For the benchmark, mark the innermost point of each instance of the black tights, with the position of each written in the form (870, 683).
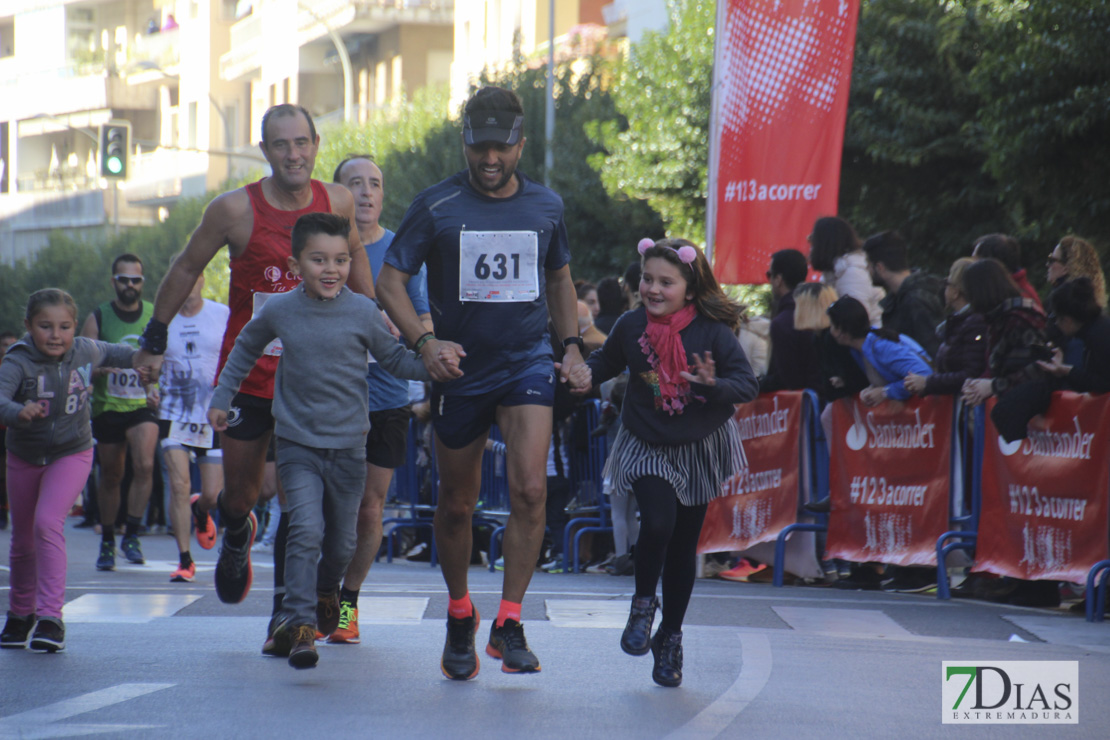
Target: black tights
(667, 544)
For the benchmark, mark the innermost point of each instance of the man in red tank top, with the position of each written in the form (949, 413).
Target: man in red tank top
(254, 222)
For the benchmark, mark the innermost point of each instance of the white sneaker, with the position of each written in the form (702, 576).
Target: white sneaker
(263, 547)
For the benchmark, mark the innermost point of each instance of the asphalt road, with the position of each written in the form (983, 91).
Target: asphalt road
(147, 658)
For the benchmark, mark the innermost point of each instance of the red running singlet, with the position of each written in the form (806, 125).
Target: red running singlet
(260, 271)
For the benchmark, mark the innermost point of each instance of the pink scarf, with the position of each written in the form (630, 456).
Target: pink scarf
(663, 347)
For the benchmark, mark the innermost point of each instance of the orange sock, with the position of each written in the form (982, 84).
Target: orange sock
(460, 608)
(508, 610)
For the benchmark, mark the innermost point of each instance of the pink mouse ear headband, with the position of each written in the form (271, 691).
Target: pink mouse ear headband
(686, 253)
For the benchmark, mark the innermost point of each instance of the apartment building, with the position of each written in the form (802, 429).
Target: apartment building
(193, 78)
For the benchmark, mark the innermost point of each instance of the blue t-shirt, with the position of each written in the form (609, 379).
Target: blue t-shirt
(386, 391)
(503, 340)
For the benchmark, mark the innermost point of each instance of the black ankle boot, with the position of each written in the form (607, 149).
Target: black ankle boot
(667, 650)
(636, 639)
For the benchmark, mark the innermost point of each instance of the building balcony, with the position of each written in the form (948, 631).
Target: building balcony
(347, 17)
(69, 89)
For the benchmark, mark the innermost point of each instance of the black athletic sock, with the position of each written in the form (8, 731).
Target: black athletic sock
(185, 559)
(132, 526)
(108, 534)
(236, 530)
(351, 596)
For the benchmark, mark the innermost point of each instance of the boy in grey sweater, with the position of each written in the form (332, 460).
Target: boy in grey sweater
(320, 415)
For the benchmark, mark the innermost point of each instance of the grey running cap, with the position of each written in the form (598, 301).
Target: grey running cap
(500, 126)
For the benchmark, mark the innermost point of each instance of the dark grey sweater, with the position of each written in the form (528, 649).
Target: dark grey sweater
(320, 392)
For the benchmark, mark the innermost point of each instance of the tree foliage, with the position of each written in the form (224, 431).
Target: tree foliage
(659, 150)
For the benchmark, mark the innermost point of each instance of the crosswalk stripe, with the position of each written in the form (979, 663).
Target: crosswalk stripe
(855, 622)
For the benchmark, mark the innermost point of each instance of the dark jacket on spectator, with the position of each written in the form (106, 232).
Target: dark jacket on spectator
(962, 353)
(834, 360)
(1015, 340)
(1093, 375)
(916, 309)
(793, 364)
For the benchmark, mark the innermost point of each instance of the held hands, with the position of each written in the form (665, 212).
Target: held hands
(976, 391)
(31, 411)
(148, 365)
(573, 370)
(915, 384)
(705, 370)
(441, 359)
(872, 396)
(218, 419)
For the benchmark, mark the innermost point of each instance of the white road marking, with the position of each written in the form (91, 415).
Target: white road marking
(587, 613)
(126, 608)
(38, 723)
(755, 671)
(854, 622)
(391, 610)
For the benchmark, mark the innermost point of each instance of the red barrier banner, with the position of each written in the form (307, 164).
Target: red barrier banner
(1044, 507)
(889, 480)
(758, 504)
(780, 97)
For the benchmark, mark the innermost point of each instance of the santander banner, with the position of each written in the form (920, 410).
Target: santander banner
(759, 504)
(1044, 506)
(889, 480)
(782, 72)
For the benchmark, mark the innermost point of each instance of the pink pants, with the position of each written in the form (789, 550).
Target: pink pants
(39, 497)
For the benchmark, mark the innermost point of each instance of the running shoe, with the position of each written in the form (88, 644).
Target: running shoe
(743, 570)
(303, 653)
(233, 568)
(507, 644)
(17, 631)
(279, 639)
(327, 613)
(131, 549)
(107, 559)
(460, 659)
(202, 522)
(184, 574)
(346, 633)
(49, 636)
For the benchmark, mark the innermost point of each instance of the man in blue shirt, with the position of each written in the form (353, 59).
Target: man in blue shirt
(390, 410)
(495, 246)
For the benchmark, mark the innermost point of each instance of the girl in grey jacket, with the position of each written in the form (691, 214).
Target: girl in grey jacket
(45, 381)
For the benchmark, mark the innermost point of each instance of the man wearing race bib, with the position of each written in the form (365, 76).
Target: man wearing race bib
(187, 384)
(495, 246)
(122, 418)
(255, 223)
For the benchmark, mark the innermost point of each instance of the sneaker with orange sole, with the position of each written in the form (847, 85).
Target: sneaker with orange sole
(347, 631)
(184, 574)
(742, 572)
(206, 528)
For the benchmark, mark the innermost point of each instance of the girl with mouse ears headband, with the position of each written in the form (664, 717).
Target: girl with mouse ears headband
(706, 293)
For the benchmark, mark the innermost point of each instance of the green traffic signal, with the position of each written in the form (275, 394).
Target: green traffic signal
(114, 144)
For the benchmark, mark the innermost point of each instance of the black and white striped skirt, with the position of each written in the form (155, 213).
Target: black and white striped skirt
(696, 470)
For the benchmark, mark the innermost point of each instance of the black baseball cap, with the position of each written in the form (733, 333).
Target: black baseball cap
(500, 126)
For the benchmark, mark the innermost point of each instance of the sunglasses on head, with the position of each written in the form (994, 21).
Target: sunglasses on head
(129, 279)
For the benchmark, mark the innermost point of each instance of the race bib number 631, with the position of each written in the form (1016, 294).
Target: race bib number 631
(498, 266)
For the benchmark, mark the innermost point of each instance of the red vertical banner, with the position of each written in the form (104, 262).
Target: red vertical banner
(1044, 506)
(889, 470)
(759, 503)
(781, 79)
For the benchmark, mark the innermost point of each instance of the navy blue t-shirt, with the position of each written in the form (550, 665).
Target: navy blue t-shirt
(503, 340)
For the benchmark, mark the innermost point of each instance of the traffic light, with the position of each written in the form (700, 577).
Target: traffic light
(115, 143)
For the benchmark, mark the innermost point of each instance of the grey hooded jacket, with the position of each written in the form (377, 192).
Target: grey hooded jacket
(62, 386)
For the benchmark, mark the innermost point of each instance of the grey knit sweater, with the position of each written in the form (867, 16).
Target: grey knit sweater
(320, 392)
